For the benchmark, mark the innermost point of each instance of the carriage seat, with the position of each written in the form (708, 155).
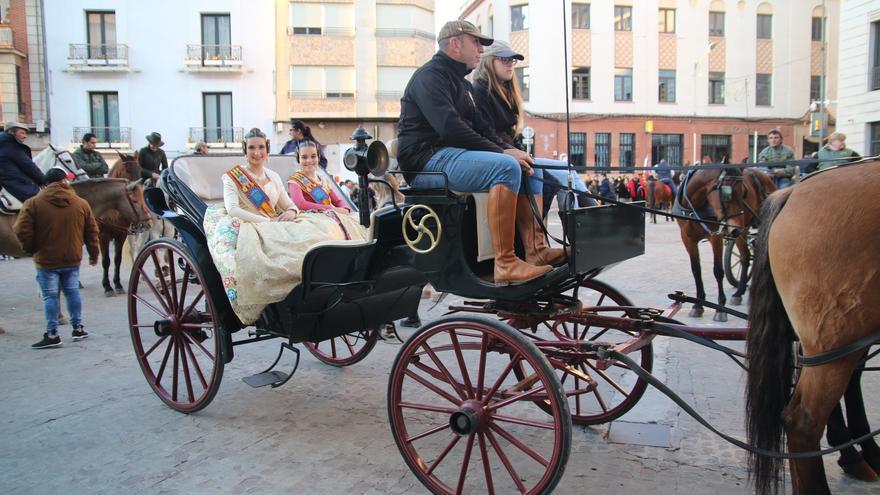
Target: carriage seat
(203, 174)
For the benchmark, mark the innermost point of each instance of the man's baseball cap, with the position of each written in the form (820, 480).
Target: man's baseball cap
(14, 125)
(457, 28)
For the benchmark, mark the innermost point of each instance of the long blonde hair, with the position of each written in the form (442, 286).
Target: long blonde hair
(508, 91)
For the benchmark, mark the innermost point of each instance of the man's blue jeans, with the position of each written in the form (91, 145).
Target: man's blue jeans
(68, 280)
(474, 171)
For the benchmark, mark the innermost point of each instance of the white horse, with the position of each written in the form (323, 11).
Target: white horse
(51, 157)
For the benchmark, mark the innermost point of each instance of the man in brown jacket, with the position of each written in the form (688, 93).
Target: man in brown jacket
(52, 227)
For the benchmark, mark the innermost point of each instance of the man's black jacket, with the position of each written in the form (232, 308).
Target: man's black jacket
(18, 173)
(438, 110)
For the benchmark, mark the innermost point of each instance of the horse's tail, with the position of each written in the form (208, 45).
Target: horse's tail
(770, 352)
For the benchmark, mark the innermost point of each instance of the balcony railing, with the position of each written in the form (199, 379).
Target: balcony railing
(5, 37)
(389, 95)
(320, 94)
(875, 78)
(213, 55)
(108, 137)
(403, 33)
(320, 31)
(98, 55)
(217, 136)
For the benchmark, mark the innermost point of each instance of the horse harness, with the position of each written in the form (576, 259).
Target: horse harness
(121, 228)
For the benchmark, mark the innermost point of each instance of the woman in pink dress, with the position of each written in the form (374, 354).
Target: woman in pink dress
(307, 189)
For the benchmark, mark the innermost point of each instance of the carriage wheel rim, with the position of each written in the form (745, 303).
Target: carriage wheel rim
(346, 349)
(481, 433)
(190, 370)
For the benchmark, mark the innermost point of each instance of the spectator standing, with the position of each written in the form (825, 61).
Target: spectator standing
(606, 190)
(152, 157)
(778, 152)
(19, 175)
(52, 227)
(201, 148)
(299, 132)
(90, 160)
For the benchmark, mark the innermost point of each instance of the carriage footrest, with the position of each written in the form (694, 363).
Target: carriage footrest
(274, 377)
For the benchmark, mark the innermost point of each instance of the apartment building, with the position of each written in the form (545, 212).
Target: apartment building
(674, 79)
(200, 70)
(345, 63)
(859, 76)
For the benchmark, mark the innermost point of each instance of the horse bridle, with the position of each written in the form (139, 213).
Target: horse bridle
(136, 227)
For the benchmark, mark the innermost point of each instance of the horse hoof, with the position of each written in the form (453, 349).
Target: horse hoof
(109, 293)
(861, 471)
(120, 290)
(736, 300)
(720, 316)
(696, 312)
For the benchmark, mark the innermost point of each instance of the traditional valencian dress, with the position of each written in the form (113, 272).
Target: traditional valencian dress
(260, 261)
(311, 194)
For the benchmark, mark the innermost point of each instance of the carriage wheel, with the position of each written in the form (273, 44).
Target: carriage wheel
(596, 394)
(176, 338)
(344, 350)
(733, 261)
(464, 423)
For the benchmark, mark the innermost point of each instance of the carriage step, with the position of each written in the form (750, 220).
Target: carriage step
(266, 378)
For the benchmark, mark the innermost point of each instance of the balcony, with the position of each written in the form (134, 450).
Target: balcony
(389, 95)
(345, 32)
(98, 58)
(320, 94)
(114, 138)
(216, 137)
(875, 78)
(403, 33)
(225, 58)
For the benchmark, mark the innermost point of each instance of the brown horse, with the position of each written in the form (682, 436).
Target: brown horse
(815, 278)
(730, 196)
(114, 227)
(659, 197)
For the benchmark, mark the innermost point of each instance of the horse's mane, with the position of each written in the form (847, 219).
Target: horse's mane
(126, 167)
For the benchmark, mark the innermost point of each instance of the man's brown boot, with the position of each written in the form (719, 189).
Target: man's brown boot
(502, 223)
(537, 251)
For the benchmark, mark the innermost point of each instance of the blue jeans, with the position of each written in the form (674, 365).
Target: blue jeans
(561, 180)
(474, 171)
(50, 280)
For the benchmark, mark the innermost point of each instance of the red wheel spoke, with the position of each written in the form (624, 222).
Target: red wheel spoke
(152, 287)
(333, 347)
(153, 308)
(155, 345)
(172, 273)
(484, 454)
(608, 379)
(445, 372)
(426, 407)
(198, 344)
(183, 288)
(196, 366)
(432, 387)
(186, 377)
(462, 367)
(523, 422)
(594, 337)
(481, 375)
(506, 462)
(516, 357)
(158, 268)
(164, 361)
(521, 446)
(427, 433)
(439, 459)
(174, 371)
(192, 304)
(348, 344)
(515, 398)
(465, 463)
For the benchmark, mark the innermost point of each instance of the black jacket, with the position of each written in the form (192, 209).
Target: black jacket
(438, 110)
(151, 161)
(500, 117)
(18, 173)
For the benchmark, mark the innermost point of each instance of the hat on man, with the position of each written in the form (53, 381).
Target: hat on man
(14, 125)
(155, 139)
(500, 49)
(836, 136)
(55, 175)
(457, 28)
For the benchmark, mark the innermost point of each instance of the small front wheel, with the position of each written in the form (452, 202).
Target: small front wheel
(344, 350)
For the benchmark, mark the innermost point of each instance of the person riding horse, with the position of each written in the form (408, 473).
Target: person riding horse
(19, 175)
(664, 174)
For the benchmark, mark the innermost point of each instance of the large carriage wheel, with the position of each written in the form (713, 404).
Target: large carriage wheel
(596, 394)
(464, 422)
(733, 261)
(344, 350)
(176, 337)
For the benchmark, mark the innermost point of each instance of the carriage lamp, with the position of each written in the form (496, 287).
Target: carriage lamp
(364, 160)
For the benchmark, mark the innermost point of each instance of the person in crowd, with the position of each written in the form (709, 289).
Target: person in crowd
(308, 189)
(300, 132)
(349, 187)
(664, 174)
(620, 188)
(778, 152)
(152, 157)
(371, 197)
(499, 100)
(441, 130)
(52, 227)
(19, 175)
(605, 188)
(259, 238)
(637, 187)
(834, 152)
(88, 159)
(201, 148)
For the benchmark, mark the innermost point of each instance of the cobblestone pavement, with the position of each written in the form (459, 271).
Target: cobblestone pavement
(81, 419)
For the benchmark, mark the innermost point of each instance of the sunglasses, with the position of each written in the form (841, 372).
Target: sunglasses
(507, 60)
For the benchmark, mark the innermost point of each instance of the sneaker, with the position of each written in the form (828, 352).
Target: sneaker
(79, 333)
(47, 342)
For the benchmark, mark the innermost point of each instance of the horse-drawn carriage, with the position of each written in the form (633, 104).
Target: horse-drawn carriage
(475, 404)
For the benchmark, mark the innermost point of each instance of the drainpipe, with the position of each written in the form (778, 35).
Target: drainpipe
(45, 68)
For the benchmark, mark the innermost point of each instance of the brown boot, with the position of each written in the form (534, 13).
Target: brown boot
(537, 251)
(502, 223)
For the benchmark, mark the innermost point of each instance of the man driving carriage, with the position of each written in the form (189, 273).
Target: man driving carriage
(440, 130)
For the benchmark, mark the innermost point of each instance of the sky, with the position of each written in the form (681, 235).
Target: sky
(445, 10)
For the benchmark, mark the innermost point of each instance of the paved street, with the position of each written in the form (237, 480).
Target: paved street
(82, 419)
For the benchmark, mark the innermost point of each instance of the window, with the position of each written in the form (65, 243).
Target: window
(666, 146)
(716, 88)
(815, 88)
(763, 89)
(305, 18)
(391, 81)
(623, 84)
(716, 147)
(627, 151)
(519, 18)
(765, 26)
(580, 83)
(874, 144)
(577, 148)
(391, 19)
(339, 82)
(104, 115)
(18, 90)
(622, 18)
(317, 19)
(818, 29)
(716, 23)
(322, 82)
(101, 34)
(216, 37)
(603, 151)
(875, 57)
(666, 21)
(522, 75)
(666, 86)
(762, 143)
(580, 16)
(217, 116)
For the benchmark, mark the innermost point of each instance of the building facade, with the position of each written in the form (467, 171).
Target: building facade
(345, 63)
(674, 79)
(859, 76)
(200, 70)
